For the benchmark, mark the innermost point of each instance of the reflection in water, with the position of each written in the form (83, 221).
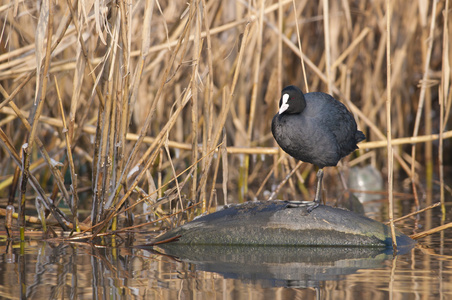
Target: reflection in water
(40, 270)
(281, 266)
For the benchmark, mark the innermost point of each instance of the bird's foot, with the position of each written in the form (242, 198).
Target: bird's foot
(299, 203)
(312, 207)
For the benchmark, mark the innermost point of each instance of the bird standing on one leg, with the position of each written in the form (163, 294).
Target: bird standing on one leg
(315, 128)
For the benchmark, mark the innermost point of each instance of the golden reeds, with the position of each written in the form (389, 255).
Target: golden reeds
(165, 103)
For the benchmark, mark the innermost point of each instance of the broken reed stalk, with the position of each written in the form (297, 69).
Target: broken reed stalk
(419, 235)
(414, 213)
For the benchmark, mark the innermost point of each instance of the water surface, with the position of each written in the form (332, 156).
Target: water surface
(49, 270)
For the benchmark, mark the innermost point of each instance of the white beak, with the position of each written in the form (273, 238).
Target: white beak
(284, 105)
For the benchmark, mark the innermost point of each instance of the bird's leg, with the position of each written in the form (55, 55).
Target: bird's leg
(319, 186)
(318, 191)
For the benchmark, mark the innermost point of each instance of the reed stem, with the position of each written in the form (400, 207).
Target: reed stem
(388, 125)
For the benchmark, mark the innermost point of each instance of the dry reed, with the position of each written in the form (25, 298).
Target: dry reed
(155, 105)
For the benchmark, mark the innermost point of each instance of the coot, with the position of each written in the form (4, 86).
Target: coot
(315, 128)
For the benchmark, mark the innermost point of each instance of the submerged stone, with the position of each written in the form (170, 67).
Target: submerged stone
(274, 223)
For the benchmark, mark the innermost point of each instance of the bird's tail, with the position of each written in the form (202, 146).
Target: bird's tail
(359, 136)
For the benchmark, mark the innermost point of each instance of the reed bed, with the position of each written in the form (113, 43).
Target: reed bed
(163, 108)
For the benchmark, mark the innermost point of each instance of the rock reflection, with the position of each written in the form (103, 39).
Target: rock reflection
(280, 266)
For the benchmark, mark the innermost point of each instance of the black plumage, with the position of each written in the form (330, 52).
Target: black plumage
(315, 128)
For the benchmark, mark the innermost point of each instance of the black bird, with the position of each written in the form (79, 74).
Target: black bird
(315, 128)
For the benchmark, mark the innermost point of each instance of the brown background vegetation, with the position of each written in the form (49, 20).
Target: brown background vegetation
(197, 85)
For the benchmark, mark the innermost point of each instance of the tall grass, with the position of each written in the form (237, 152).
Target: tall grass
(152, 107)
